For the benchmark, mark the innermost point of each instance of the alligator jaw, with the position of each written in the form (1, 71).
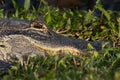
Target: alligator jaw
(56, 49)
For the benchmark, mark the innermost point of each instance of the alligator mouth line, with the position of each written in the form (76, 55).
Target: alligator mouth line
(55, 50)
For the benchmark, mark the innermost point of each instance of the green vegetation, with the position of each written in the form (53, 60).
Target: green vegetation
(79, 24)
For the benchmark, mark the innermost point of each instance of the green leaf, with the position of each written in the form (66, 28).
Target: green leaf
(68, 25)
(48, 16)
(64, 16)
(95, 54)
(100, 7)
(89, 46)
(27, 4)
(118, 20)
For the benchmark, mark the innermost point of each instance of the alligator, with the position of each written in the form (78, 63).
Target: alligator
(19, 38)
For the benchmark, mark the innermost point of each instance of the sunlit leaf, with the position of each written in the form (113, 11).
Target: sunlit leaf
(89, 46)
(27, 4)
(48, 16)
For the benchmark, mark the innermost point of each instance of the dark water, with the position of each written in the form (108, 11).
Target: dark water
(9, 8)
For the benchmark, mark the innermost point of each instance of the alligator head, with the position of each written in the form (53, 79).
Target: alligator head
(19, 38)
(38, 34)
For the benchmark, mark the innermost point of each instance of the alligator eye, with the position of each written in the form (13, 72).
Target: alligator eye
(39, 26)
